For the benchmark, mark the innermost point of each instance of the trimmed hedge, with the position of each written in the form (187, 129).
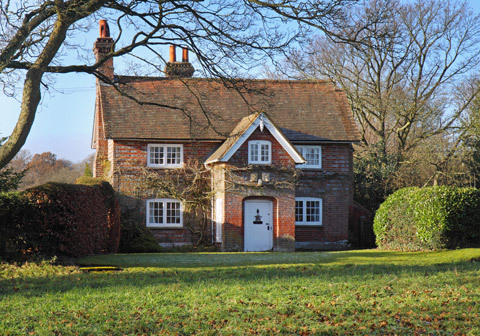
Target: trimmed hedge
(429, 218)
(59, 219)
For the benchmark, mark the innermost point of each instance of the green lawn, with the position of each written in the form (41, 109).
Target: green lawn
(320, 293)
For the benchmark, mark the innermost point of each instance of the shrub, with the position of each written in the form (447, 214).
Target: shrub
(89, 180)
(10, 179)
(135, 237)
(16, 223)
(429, 218)
(59, 219)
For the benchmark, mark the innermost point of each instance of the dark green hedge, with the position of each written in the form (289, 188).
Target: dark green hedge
(135, 236)
(59, 219)
(429, 219)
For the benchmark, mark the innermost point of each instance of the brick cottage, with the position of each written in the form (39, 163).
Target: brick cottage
(278, 154)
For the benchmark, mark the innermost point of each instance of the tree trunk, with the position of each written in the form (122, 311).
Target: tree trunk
(31, 94)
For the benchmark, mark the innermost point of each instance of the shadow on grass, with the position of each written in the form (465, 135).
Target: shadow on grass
(201, 260)
(244, 275)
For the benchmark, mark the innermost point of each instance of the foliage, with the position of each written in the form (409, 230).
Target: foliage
(472, 160)
(322, 293)
(59, 219)
(88, 170)
(89, 180)
(46, 167)
(373, 174)
(135, 237)
(471, 145)
(429, 218)
(17, 230)
(9, 179)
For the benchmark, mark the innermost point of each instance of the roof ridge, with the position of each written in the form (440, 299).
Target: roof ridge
(121, 78)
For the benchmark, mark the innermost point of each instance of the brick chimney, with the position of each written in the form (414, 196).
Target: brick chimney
(179, 69)
(102, 46)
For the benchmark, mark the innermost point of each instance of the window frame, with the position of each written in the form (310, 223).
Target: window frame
(259, 143)
(300, 149)
(304, 221)
(164, 202)
(165, 149)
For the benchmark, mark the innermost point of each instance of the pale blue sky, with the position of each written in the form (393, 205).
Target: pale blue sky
(63, 124)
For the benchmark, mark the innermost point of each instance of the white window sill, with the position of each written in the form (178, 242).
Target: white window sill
(165, 226)
(308, 167)
(165, 166)
(308, 224)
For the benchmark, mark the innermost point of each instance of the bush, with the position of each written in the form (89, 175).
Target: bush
(10, 179)
(135, 237)
(59, 219)
(429, 218)
(16, 223)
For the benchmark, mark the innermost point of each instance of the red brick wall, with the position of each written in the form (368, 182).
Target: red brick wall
(130, 159)
(334, 184)
(129, 162)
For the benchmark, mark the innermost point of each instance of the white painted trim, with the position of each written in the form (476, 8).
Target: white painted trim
(305, 165)
(164, 216)
(164, 146)
(260, 143)
(276, 134)
(219, 218)
(304, 213)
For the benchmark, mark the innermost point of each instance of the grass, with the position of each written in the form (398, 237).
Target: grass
(367, 292)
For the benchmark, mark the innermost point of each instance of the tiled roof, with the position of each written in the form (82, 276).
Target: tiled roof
(204, 109)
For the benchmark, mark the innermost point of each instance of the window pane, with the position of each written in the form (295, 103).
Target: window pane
(312, 210)
(173, 213)
(298, 211)
(265, 153)
(173, 155)
(254, 152)
(156, 213)
(156, 155)
(312, 155)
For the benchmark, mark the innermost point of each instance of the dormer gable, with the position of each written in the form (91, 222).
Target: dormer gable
(259, 151)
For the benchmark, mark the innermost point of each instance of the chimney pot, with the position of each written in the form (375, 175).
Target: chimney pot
(184, 55)
(104, 29)
(179, 69)
(173, 57)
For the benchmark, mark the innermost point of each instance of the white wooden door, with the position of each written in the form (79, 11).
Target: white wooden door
(258, 225)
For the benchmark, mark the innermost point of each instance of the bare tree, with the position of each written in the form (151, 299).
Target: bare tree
(402, 81)
(406, 86)
(227, 36)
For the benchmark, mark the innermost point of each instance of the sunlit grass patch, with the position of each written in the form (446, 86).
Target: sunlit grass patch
(100, 268)
(355, 292)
